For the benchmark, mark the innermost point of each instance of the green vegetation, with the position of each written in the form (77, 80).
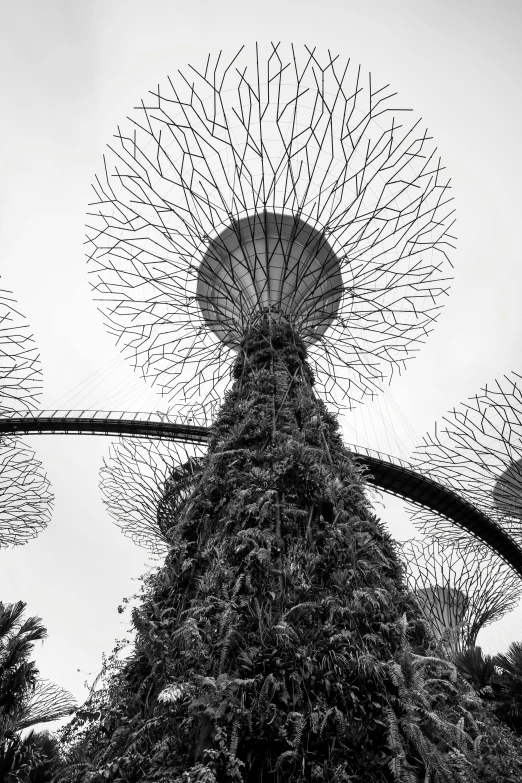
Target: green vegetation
(25, 701)
(278, 641)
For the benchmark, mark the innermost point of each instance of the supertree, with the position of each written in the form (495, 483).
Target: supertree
(25, 699)
(20, 370)
(460, 591)
(144, 482)
(267, 232)
(293, 187)
(26, 501)
(477, 451)
(48, 702)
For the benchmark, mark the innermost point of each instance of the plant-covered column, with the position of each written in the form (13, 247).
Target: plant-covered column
(275, 644)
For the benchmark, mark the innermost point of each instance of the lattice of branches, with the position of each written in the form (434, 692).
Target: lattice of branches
(478, 453)
(459, 591)
(143, 483)
(20, 373)
(25, 496)
(287, 131)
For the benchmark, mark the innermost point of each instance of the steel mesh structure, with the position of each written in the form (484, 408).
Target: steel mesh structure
(20, 372)
(478, 453)
(282, 182)
(270, 223)
(25, 497)
(460, 591)
(151, 473)
(46, 703)
(142, 482)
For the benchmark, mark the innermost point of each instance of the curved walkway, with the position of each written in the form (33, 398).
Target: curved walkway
(76, 422)
(387, 473)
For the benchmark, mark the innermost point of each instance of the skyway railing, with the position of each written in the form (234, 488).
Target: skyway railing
(98, 422)
(391, 474)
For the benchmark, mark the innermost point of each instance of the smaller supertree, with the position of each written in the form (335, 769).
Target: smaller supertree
(26, 500)
(459, 591)
(282, 180)
(478, 453)
(20, 372)
(143, 483)
(25, 699)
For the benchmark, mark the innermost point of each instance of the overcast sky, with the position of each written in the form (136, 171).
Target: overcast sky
(70, 72)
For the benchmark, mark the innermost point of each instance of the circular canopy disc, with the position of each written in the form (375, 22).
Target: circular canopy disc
(269, 263)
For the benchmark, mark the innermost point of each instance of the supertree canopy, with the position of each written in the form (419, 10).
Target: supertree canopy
(143, 483)
(20, 372)
(460, 591)
(284, 182)
(26, 500)
(477, 451)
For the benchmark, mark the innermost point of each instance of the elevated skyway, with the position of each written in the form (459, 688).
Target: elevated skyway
(402, 479)
(79, 422)
(387, 473)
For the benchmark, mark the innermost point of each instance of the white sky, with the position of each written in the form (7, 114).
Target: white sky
(70, 72)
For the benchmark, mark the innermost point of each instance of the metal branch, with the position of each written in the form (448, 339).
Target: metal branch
(143, 484)
(25, 496)
(305, 138)
(20, 373)
(477, 452)
(459, 590)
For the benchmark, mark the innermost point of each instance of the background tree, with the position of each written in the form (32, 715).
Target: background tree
(475, 667)
(25, 497)
(25, 700)
(20, 371)
(459, 591)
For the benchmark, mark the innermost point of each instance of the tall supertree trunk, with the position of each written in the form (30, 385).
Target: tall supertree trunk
(275, 642)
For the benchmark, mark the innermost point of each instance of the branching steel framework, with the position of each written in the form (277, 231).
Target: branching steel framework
(282, 182)
(20, 372)
(142, 479)
(478, 454)
(46, 703)
(460, 591)
(280, 185)
(25, 498)
(171, 443)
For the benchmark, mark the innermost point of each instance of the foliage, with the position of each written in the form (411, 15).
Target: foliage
(498, 756)
(511, 662)
(278, 642)
(498, 679)
(24, 699)
(508, 689)
(475, 667)
(460, 590)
